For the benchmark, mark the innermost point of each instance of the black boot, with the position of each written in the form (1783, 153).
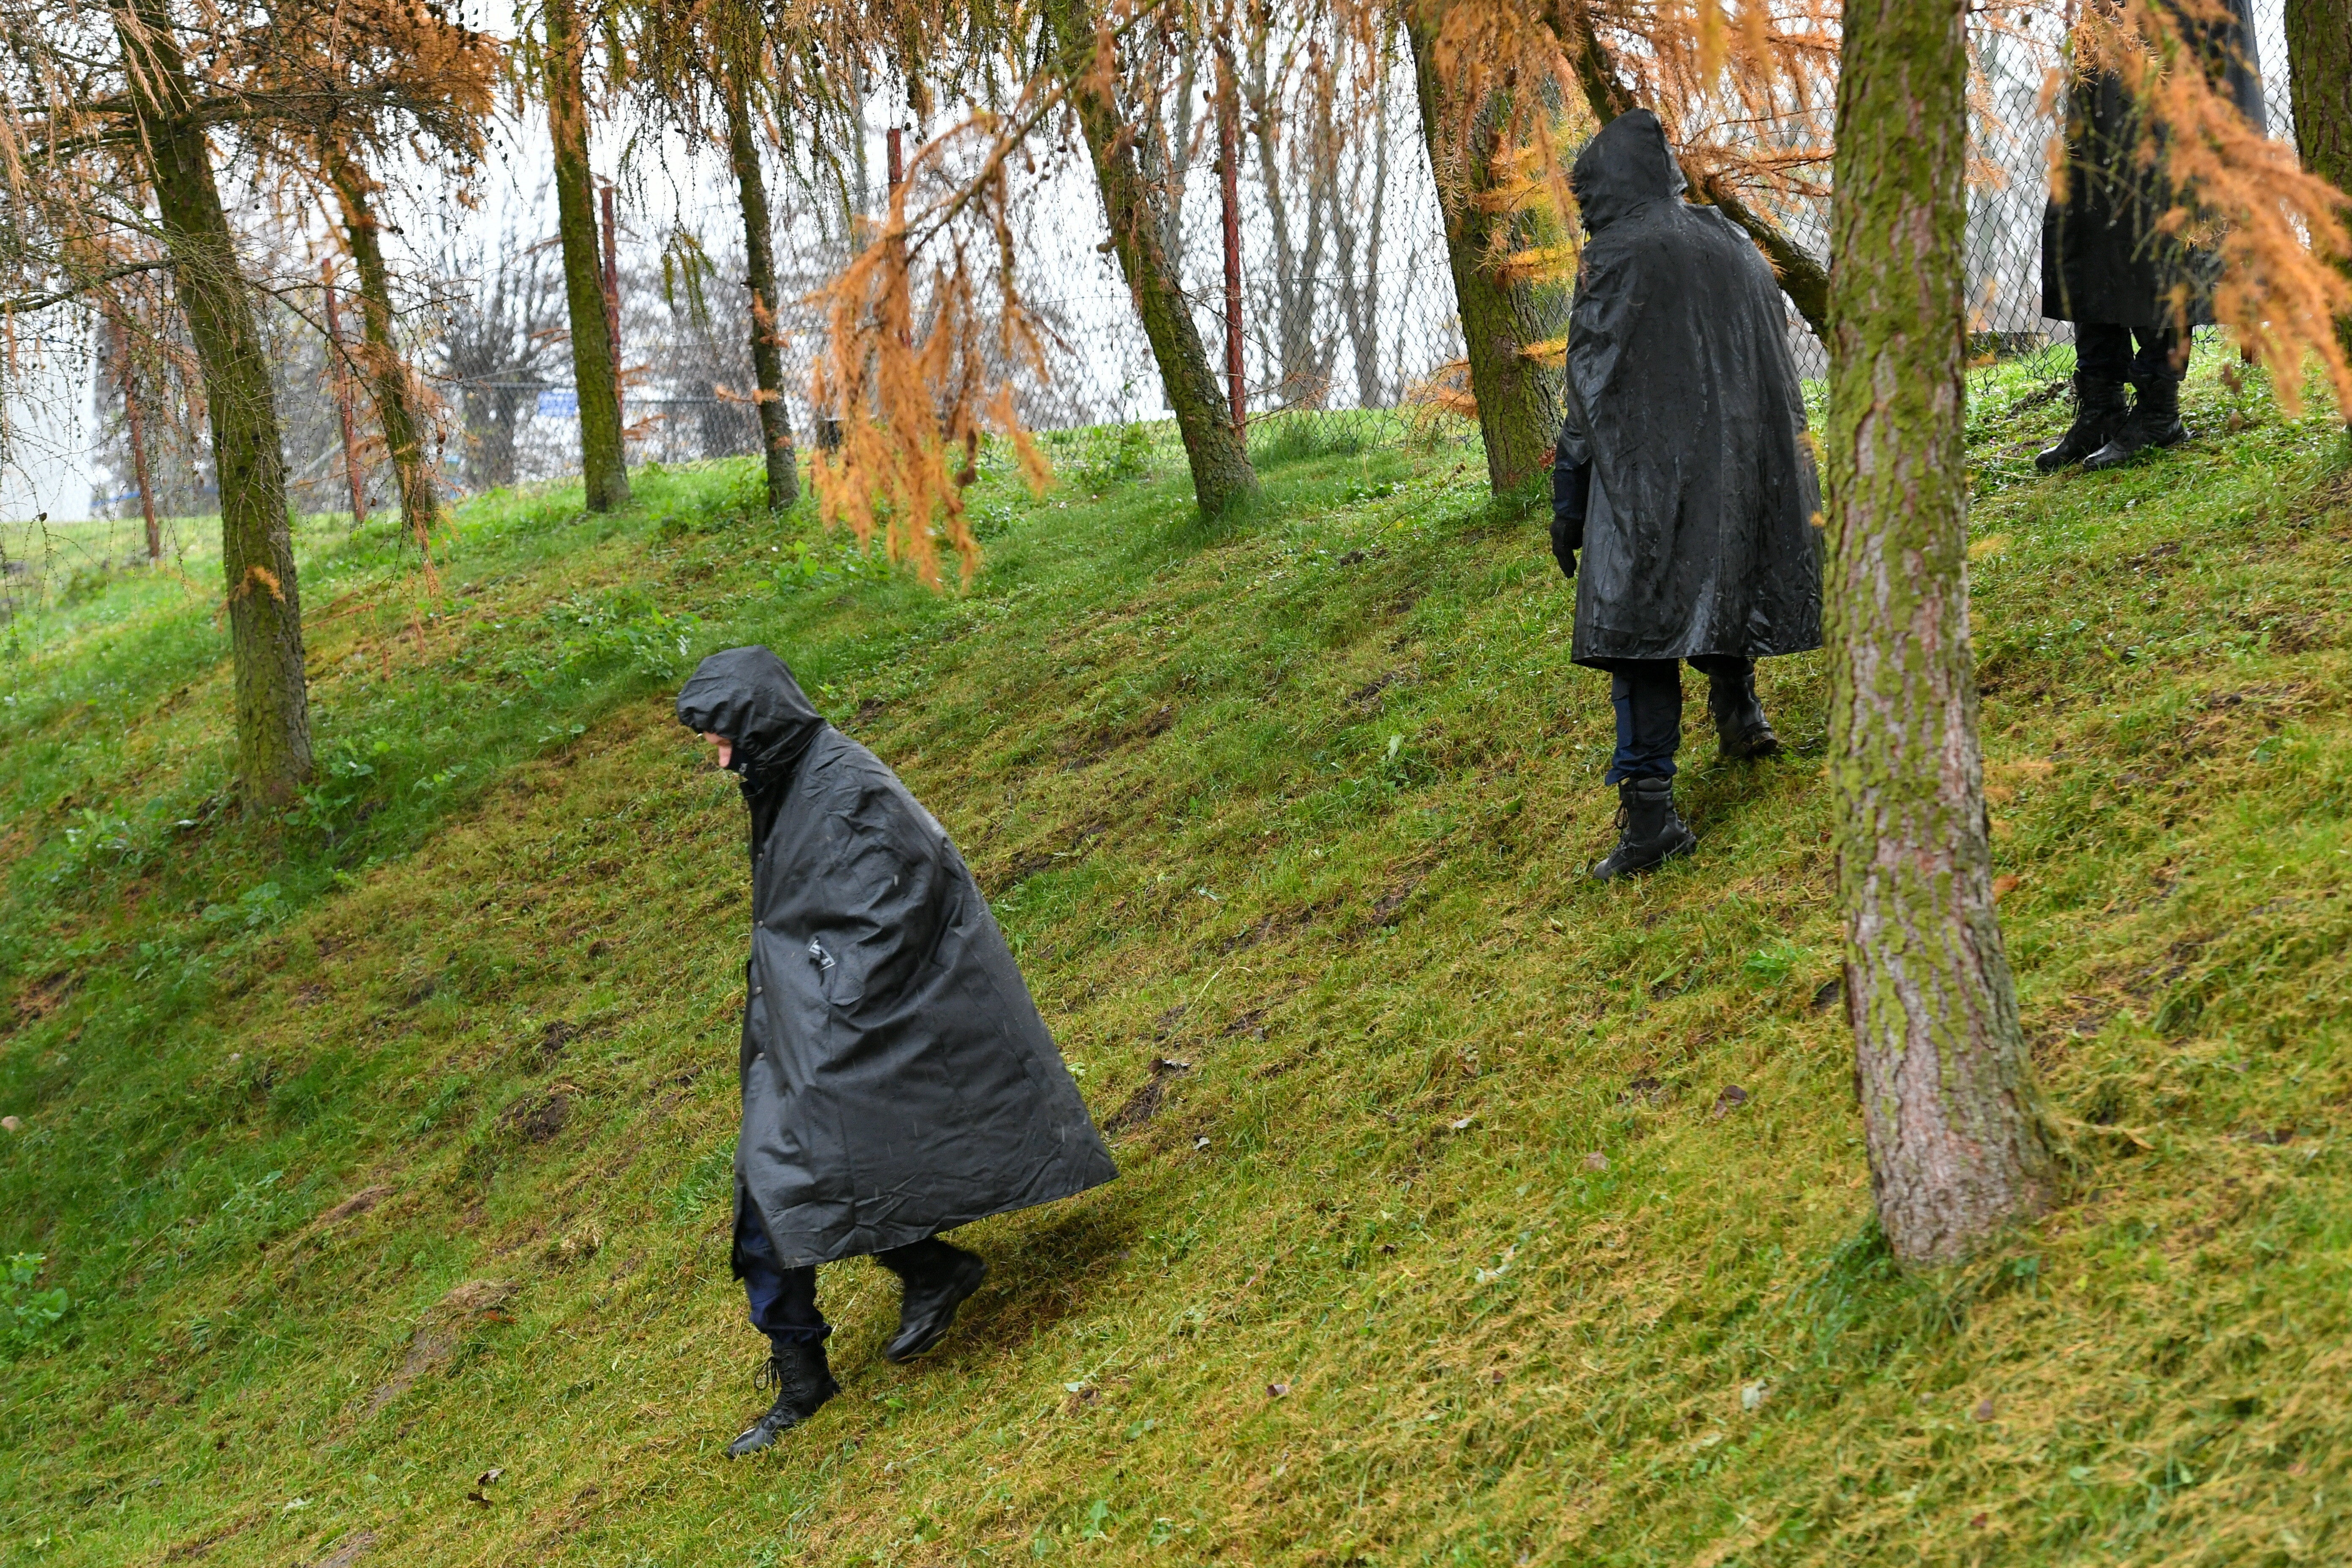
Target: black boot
(1740, 727)
(2099, 410)
(1648, 830)
(936, 1280)
(2153, 423)
(797, 1372)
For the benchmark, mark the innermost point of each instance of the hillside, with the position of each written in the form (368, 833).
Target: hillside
(1471, 1213)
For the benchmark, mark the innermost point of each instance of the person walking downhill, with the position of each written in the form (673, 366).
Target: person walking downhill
(1682, 474)
(2131, 281)
(897, 1079)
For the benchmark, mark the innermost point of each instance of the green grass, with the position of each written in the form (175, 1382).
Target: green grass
(1444, 1243)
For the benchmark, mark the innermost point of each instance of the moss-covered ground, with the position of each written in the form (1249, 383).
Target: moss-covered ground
(1471, 1212)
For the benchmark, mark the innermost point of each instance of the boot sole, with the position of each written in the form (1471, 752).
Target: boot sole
(914, 1343)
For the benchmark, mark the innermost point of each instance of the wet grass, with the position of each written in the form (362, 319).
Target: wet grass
(387, 1148)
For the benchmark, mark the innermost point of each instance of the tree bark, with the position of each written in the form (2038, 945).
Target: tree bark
(603, 465)
(2319, 77)
(265, 614)
(1222, 474)
(1956, 1140)
(759, 277)
(1805, 281)
(387, 374)
(1518, 413)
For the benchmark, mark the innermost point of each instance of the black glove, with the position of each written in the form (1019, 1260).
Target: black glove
(1563, 547)
(1570, 484)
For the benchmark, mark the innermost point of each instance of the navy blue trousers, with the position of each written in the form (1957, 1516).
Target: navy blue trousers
(1648, 696)
(2102, 350)
(783, 1301)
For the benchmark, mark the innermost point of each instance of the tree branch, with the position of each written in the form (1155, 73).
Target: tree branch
(43, 301)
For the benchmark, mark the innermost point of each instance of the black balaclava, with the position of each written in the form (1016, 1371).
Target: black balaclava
(748, 695)
(1624, 168)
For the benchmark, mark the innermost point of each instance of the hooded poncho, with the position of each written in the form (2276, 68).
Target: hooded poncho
(897, 1079)
(1683, 400)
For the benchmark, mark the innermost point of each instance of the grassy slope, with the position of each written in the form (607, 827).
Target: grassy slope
(1299, 806)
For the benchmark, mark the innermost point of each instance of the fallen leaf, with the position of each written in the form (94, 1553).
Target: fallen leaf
(10, 1124)
(1277, 1390)
(1465, 1121)
(2003, 885)
(1732, 1098)
(1752, 1396)
(1596, 1161)
(1983, 1412)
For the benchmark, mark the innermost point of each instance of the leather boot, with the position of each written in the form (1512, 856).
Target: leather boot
(796, 1370)
(1648, 830)
(2153, 423)
(928, 1304)
(1740, 727)
(2099, 409)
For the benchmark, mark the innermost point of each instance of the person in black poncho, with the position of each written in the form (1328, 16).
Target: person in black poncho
(2111, 265)
(1681, 474)
(897, 1079)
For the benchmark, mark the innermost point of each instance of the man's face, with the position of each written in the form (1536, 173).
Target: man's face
(726, 747)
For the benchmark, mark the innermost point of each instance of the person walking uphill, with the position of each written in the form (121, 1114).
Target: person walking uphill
(2130, 282)
(897, 1079)
(1681, 474)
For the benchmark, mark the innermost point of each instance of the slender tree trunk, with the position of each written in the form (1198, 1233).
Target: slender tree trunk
(2319, 76)
(265, 614)
(604, 467)
(1222, 474)
(759, 277)
(1957, 1145)
(388, 378)
(135, 418)
(1518, 413)
(354, 475)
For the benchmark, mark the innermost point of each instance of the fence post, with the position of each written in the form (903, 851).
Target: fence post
(613, 302)
(1229, 179)
(352, 471)
(137, 423)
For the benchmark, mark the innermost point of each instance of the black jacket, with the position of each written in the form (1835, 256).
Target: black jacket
(2103, 258)
(897, 1079)
(1683, 405)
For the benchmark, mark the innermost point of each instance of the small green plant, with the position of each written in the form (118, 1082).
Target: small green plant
(26, 1314)
(1775, 961)
(1110, 455)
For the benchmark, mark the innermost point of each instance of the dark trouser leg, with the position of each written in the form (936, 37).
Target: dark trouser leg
(782, 1300)
(2102, 350)
(2163, 355)
(1648, 696)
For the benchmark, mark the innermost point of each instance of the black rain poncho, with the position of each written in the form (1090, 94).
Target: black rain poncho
(2106, 257)
(897, 1079)
(1684, 402)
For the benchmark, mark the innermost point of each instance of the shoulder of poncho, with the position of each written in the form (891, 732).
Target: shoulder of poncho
(848, 781)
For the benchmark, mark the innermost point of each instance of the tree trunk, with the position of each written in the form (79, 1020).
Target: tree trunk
(759, 277)
(2319, 77)
(1222, 474)
(604, 467)
(1956, 1144)
(265, 614)
(1804, 279)
(388, 378)
(1517, 413)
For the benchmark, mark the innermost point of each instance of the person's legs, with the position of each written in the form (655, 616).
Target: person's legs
(2155, 420)
(1648, 697)
(782, 1304)
(934, 1278)
(2103, 357)
(1740, 727)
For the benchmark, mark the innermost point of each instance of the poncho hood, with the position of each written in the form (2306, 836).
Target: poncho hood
(1623, 169)
(748, 696)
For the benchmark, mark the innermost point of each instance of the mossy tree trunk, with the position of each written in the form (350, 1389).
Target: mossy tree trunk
(2319, 71)
(1518, 413)
(265, 611)
(603, 465)
(1957, 1145)
(1222, 474)
(760, 278)
(388, 374)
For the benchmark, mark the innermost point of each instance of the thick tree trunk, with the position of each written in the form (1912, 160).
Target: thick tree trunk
(604, 467)
(265, 614)
(1222, 474)
(1517, 413)
(388, 374)
(759, 277)
(2319, 71)
(1956, 1146)
(1804, 279)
